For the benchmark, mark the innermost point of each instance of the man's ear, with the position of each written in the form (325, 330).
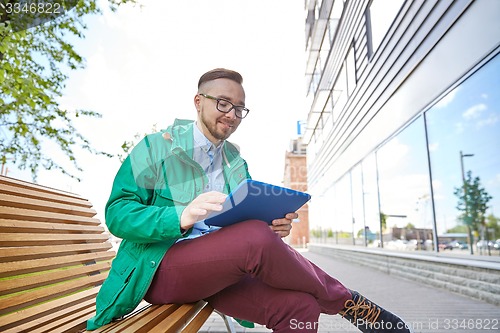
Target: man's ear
(197, 102)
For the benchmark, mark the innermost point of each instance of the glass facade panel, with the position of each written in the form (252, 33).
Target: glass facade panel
(464, 135)
(358, 216)
(405, 195)
(371, 202)
(343, 225)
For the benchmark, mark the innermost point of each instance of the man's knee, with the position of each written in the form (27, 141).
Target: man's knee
(258, 232)
(298, 311)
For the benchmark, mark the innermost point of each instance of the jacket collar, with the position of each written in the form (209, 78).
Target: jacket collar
(181, 134)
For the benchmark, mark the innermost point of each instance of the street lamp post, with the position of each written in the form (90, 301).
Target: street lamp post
(462, 155)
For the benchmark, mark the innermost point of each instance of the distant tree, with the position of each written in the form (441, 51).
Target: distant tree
(493, 224)
(410, 226)
(383, 220)
(34, 61)
(459, 229)
(472, 203)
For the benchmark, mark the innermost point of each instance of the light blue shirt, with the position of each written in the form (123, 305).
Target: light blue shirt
(209, 157)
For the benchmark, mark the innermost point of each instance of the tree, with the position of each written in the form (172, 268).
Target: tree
(493, 224)
(33, 71)
(473, 203)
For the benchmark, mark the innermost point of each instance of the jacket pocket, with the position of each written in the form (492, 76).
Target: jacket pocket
(172, 196)
(119, 276)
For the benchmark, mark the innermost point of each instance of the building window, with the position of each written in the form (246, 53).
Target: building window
(342, 205)
(370, 201)
(351, 71)
(464, 129)
(339, 93)
(405, 194)
(380, 15)
(333, 22)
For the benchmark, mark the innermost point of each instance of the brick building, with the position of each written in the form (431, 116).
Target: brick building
(296, 178)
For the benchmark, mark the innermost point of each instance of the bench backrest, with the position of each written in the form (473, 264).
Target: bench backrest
(54, 255)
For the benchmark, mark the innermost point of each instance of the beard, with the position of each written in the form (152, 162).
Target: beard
(221, 128)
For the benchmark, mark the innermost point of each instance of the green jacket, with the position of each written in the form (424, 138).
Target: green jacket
(151, 189)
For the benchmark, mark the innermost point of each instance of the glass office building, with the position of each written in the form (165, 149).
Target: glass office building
(403, 130)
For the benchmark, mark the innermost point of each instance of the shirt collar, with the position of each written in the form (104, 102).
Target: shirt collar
(200, 140)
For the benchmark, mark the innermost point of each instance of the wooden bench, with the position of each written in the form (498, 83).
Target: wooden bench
(54, 255)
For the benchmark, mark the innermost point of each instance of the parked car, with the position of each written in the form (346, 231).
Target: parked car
(445, 246)
(484, 244)
(458, 245)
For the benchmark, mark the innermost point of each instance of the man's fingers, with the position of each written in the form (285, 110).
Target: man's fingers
(212, 197)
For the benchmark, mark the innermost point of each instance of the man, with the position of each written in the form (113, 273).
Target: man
(170, 182)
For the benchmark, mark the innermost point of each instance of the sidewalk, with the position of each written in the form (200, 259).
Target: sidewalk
(425, 309)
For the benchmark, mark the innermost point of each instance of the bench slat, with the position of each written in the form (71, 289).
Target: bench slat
(40, 280)
(142, 321)
(7, 181)
(197, 322)
(179, 318)
(45, 206)
(46, 309)
(37, 252)
(17, 226)
(18, 301)
(71, 322)
(32, 215)
(56, 321)
(51, 196)
(39, 265)
(20, 239)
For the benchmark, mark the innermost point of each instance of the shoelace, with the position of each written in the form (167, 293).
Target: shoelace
(361, 308)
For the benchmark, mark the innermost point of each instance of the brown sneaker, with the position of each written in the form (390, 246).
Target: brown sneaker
(368, 317)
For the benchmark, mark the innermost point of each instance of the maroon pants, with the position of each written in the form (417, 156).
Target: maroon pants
(246, 271)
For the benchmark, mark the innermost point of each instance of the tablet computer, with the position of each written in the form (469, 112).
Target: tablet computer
(257, 200)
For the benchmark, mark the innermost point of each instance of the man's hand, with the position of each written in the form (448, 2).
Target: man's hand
(200, 207)
(283, 226)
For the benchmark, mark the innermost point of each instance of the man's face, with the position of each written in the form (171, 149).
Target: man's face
(215, 125)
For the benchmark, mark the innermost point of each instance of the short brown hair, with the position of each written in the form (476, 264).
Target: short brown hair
(220, 73)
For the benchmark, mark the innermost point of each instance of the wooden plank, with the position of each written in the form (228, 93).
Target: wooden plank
(48, 196)
(14, 239)
(197, 322)
(26, 315)
(54, 321)
(32, 215)
(178, 319)
(18, 226)
(38, 252)
(142, 307)
(142, 321)
(72, 322)
(23, 184)
(38, 265)
(18, 301)
(9, 200)
(9, 286)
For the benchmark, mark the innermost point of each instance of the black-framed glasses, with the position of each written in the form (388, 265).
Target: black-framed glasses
(226, 106)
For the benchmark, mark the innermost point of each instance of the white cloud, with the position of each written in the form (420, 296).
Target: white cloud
(433, 146)
(474, 112)
(490, 120)
(446, 100)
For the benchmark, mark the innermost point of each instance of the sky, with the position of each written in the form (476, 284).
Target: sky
(143, 63)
